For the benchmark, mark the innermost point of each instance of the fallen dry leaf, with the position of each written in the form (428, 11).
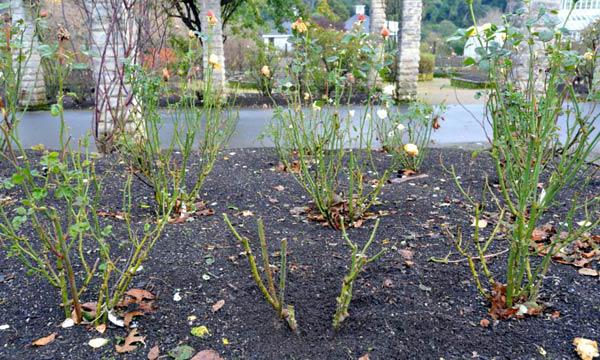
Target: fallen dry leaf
(481, 223)
(144, 300)
(207, 355)
(131, 339)
(364, 357)
(247, 213)
(588, 272)
(299, 210)
(586, 349)
(218, 305)
(128, 318)
(45, 340)
(101, 328)
(154, 353)
(98, 342)
(484, 323)
(279, 187)
(406, 254)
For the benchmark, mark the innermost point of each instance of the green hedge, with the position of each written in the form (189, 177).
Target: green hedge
(426, 66)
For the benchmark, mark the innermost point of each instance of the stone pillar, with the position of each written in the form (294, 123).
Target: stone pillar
(33, 87)
(213, 47)
(409, 41)
(114, 42)
(522, 59)
(377, 21)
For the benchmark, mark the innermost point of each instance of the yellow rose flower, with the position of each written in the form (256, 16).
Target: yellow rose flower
(265, 71)
(300, 26)
(411, 149)
(213, 60)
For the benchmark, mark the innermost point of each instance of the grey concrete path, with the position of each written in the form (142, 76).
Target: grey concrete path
(462, 127)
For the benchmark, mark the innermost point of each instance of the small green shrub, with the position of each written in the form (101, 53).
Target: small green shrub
(426, 66)
(407, 135)
(534, 162)
(166, 166)
(54, 228)
(274, 296)
(264, 64)
(331, 147)
(359, 259)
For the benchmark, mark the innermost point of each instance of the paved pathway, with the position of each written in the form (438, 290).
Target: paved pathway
(462, 127)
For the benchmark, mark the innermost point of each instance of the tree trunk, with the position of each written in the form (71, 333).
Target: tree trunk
(214, 45)
(409, 41)
(377, 23)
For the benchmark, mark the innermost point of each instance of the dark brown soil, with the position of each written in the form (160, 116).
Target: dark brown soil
(426, 311)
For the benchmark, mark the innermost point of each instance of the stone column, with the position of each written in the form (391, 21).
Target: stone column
(33, 87)
(377, 21)
(522, 59)
(114, 42)
(214, 45)
(409, 41)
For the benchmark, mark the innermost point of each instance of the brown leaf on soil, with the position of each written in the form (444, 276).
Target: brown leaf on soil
(388, 283)
(498, 309)
(140, 294)
(203, 210)
(144, 300)
(128, 317)
(45, 340)
(154, 353)
(588, 272)
(406, 254)
(484, 323)
(299, 210)
(207, 355)
(580, 253)
(294, 167)
(101, 328)
(407, 172)
(119, 215)
(247, 213)
(364, 357)
(218, 305)
(279, 188)
(555, 314)
(131, 339)
(88, 307)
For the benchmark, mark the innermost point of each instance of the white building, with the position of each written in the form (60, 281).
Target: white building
(584, 14)
(281, 40)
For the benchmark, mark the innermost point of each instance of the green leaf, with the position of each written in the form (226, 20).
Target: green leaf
(546, 35)
(182, 352)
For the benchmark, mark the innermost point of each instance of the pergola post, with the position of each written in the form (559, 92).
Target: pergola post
(409, 41)
(114, 42)
(33, 86)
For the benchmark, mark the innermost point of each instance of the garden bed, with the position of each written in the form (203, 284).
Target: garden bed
(404, 306)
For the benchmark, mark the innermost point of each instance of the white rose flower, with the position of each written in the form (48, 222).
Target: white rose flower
(382, 114)
(389, 90)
